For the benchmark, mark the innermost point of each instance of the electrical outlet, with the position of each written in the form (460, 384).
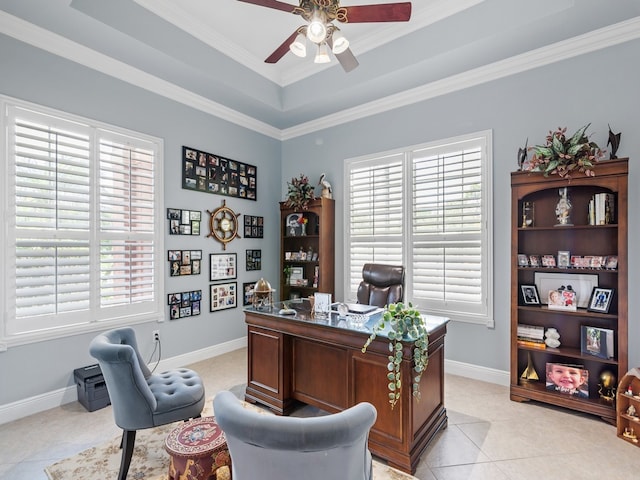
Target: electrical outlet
(156, 335)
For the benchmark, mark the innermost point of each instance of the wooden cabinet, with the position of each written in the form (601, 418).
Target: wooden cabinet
(539, 194)
(628, 407)
(307, 252)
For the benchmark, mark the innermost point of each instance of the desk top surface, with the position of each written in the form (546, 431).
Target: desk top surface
(350, 322)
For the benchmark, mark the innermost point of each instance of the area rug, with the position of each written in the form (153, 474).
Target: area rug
(150, 460)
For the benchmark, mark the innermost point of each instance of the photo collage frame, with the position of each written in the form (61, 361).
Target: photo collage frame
(253, 226)
(184, 262)
(223, 266)
(209, 173)
(254, 260)
(223, 296)
(184, 222)
(184, 304)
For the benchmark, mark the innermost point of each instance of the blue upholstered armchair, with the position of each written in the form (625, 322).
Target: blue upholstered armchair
(140, 399)
(316, 448)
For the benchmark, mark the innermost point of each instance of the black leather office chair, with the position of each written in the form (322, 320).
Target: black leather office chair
(381, 284)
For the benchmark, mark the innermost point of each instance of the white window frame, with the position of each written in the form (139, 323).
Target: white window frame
(483, 312)
(95, 317)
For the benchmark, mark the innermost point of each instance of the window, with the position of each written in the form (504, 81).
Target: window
(427, 208)
(83, 203)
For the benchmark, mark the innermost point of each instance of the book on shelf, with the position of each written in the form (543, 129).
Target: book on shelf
(597, 341)
(530, 332)
(602, 209)
(531, 343)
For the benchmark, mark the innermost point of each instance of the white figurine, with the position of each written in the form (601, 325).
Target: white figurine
(327, 191)
(552, 338)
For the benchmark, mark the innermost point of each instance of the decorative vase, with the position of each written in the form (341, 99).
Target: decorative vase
(303, 229)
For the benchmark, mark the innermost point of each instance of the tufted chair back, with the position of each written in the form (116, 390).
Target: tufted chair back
(381, 284)
(139, 398)
(313, 448)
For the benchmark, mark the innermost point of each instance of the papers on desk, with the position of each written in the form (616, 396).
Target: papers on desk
(358, 308)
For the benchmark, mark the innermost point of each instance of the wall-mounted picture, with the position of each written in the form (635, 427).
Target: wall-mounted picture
(223, 266)
(253, 226)
(568, 379)
(184, 304)
(247, 293)
(206, 172)
(184, 262)
(530, 295)
(254, 260)
(223, 296)
(184, 222)
(600, 300)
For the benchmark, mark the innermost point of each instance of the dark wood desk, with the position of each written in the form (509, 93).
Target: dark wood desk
(320, 362)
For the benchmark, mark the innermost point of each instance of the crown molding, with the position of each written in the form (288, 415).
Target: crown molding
(612, 35)
(609, 36)
(53, 43)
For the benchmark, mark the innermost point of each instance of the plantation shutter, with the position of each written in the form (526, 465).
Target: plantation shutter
(52, 216)
(126, 221)
(83, 242)
(448, 228)
(426, 208)
(376, 216)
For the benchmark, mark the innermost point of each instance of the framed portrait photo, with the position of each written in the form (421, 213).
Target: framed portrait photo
(223, 266)
(600, 300)
(530, 295)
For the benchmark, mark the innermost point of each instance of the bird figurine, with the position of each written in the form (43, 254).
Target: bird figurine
(614, 141)
(327, 191)
(522, 155)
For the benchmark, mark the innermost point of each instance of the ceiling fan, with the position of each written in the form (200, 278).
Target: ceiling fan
(320, 30)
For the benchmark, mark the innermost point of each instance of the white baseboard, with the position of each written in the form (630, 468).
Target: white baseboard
(56, 398)
(39, 403)
(484, 374)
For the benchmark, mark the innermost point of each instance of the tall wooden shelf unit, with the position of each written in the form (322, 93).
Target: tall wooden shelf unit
(320, 239)
(580, 239)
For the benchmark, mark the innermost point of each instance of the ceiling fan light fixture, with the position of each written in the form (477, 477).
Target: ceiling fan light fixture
(299, 46)
(323, 54)
(317, 30)
(340, 43)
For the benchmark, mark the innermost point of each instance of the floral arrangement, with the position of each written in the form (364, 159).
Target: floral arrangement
(303, 220)
(405, 324)
(564, 156)
(300, 193)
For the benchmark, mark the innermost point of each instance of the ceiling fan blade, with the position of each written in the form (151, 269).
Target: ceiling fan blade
(348, 60)
(282, 49)
(285, 7)
(384, 12)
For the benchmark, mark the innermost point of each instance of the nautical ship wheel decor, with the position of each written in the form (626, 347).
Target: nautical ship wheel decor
(223, 224)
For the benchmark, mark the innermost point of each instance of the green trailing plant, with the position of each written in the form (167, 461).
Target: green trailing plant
(300, 193)
(564, 156)
(402, 323)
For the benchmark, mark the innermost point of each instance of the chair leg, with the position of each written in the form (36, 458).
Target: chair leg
(127, 443)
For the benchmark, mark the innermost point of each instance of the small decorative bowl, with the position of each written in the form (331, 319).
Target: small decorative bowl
(357, 321)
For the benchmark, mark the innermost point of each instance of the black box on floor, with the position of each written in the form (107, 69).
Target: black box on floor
(92, 389)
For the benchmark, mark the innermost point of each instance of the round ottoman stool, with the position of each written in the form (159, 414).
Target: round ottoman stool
(198, 449)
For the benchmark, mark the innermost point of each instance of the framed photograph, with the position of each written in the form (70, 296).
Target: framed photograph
(184, 262)
(296, 276)
(534, 260)
(223, 296)
(247, 293)
(611, 262)
(597, 341)
(530, 295)
(562, 299)
(567, 379)
(184, 304)
(253, 226)
(564, 259)
(184, 222)
(322, 304)
(293, 226)
(223, 266)
(600, 300)
(581, 284)
(548, 261)
(523, 260)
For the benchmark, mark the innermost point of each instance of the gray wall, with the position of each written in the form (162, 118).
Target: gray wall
(35, 76)
(598, 88)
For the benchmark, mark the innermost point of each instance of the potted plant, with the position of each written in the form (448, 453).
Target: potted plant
(402, 323)
(300, 193)
(564, 156)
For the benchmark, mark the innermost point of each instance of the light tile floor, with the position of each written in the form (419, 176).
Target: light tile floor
(488, 437)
